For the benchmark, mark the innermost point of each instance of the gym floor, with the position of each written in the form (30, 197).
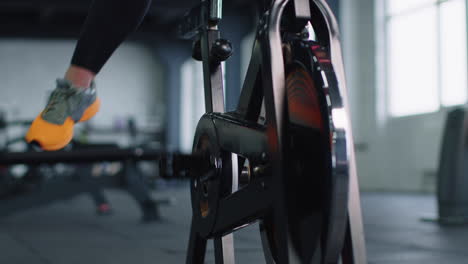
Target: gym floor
(70, 232)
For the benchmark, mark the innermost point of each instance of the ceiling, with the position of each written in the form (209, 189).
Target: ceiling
(63, 18)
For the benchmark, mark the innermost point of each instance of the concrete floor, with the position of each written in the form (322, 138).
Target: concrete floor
(69, 232)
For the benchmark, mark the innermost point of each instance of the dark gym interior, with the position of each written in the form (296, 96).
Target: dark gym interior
(123, 190)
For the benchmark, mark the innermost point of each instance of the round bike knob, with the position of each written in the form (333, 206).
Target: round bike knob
(221, 50)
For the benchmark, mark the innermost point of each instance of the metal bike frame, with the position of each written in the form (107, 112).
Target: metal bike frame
(240, 133)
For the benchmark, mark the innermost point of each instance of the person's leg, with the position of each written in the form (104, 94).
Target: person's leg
(108, 23)
(79, 76)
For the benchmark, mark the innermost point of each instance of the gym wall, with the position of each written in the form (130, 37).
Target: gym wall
(393, 154)
(129, 84)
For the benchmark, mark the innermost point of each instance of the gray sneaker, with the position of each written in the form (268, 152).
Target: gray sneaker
(53, 127)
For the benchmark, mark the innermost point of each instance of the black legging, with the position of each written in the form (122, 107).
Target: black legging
(108, 23)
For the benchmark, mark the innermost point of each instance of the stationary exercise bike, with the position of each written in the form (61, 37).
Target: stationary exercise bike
(284, 157)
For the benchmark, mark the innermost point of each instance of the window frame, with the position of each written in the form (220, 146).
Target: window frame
(383, 16)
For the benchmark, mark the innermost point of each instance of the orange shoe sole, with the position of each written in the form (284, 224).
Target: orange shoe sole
(52, 137)
(91, 110)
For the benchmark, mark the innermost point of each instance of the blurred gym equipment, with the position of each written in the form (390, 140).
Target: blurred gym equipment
(452, 177)
(41, 184)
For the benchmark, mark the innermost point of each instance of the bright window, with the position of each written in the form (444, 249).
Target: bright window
(453, 52)
(426, 55)
(399, 6)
